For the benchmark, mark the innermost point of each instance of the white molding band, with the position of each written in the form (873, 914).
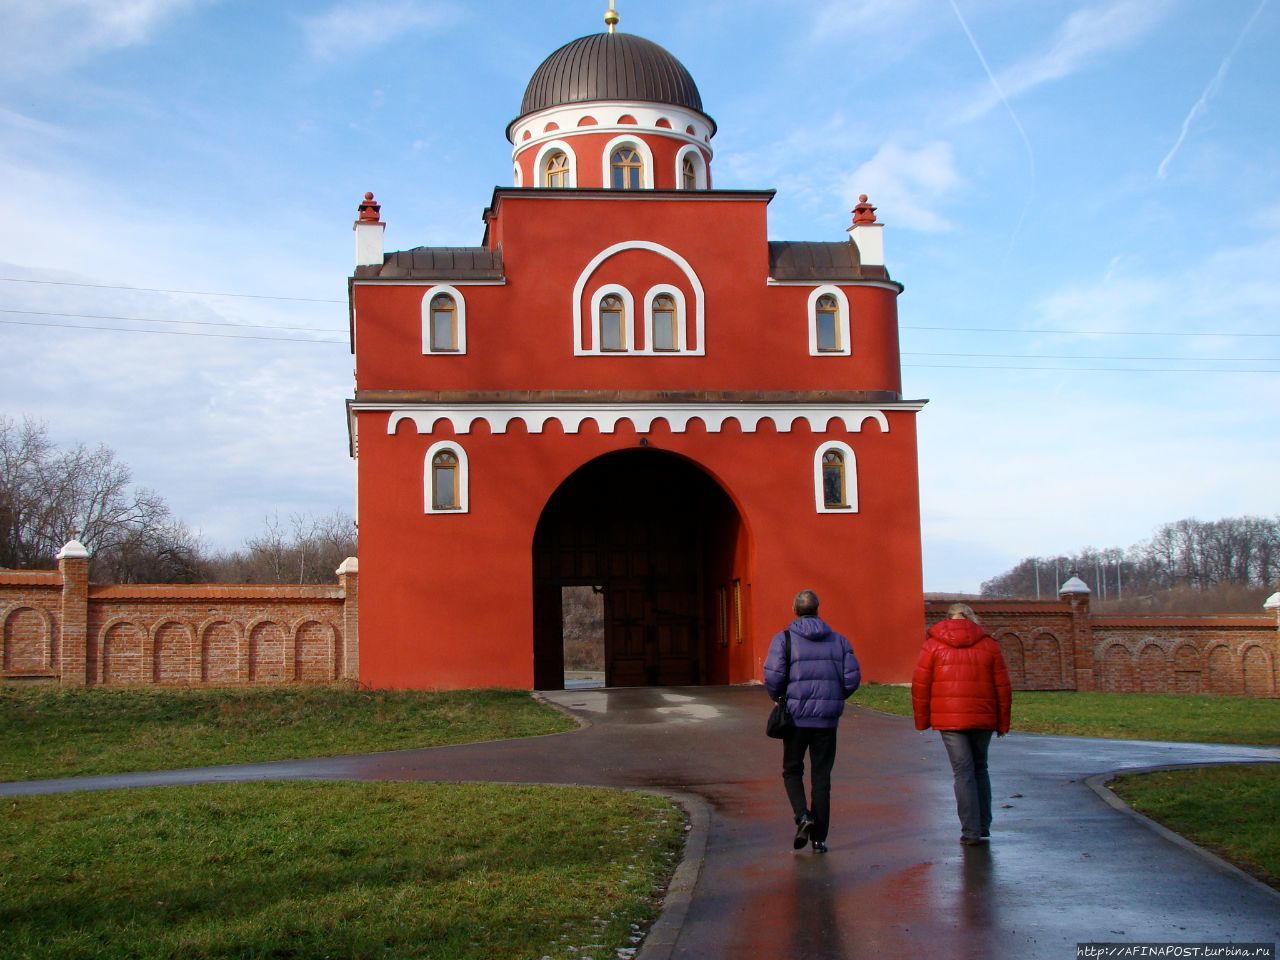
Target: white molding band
(607, 416)
(697, 349)
(606, 114)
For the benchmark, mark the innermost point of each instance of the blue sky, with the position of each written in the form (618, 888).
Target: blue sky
(1066, 187)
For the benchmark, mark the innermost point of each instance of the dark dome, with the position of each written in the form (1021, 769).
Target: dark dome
(611, 66)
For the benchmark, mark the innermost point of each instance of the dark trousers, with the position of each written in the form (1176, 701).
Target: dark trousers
(967, 751)
(821, 744)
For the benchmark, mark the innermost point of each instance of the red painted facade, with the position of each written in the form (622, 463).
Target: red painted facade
(687, 479)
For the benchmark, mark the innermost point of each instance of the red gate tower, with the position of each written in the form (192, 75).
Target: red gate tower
(628, 386)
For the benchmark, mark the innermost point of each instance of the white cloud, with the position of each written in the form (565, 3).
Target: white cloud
(1083, 38)
(909, 185)
(50, 35)
(349, 29)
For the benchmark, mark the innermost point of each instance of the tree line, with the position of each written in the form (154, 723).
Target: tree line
(1234, 560)
(49, 495)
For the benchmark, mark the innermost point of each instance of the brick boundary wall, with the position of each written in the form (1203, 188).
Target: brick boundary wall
(1060, 645)
(56, 626)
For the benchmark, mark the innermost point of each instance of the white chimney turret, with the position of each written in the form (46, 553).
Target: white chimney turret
(867, 234)
(369, 229)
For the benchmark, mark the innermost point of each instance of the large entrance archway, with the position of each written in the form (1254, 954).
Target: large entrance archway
(667, 548)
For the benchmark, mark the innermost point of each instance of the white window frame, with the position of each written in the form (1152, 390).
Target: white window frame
(628, 320)
(460, 307)
(842, 327)
(428, 476)
(642, 148)
(682, 333)
(539, 163)
(518, 178)
(850, 478)
(699, 167)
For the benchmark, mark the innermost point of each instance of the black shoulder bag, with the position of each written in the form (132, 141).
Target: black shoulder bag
(780, 723)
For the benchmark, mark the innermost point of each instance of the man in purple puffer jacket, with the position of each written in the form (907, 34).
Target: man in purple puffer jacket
(821, 674)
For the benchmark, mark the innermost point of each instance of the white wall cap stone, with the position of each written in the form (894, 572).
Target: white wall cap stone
(73, 550)
(349, 565)
(1074, 586)
(1272, 602)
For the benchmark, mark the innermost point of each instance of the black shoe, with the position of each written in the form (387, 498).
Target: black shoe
(819, 846)
(804, 826)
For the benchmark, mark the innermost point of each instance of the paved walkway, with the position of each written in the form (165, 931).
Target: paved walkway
(1063, 866)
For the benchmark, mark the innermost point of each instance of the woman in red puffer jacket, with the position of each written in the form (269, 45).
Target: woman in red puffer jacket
(961, 688)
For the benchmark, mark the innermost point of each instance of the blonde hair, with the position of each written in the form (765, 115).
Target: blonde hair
(962, 610)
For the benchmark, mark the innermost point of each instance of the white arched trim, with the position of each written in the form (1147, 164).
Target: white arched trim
(842, 322)
(682, 334)
(607, 416)
(699, 167)
(642, 148)
(694, 350)
(518, 178)
(850, 478)
(428, 477)
(460, 318)
(539, 162)
(628, 318)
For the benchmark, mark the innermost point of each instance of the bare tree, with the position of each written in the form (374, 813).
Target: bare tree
(48, 496)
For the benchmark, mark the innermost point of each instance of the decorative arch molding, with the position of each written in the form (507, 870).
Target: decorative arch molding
(539, 162)
(663, 120)
(699, 305)
(571, 417)
(842, 322)
(45, 642)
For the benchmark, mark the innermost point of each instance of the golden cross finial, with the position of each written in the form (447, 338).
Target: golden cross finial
(611, 17)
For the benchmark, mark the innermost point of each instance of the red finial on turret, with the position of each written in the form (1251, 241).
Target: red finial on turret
(863, 212)
(369, 210)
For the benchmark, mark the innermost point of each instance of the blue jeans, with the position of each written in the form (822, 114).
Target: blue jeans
(967, 751)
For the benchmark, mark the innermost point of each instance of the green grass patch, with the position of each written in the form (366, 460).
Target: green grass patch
(1120, 716)
(1232, 810)
(304, 870)
(66, 732)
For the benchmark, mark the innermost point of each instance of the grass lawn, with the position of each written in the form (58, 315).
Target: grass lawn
(1232, 810)
(64, 732)
(311, 870)
(1122, 716)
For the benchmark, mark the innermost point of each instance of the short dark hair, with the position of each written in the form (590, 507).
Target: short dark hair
(806, 604)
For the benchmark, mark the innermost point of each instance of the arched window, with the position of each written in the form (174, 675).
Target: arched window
(827, 323)
(556, 170)
(688, 173)
(444, 324)
(835, 479)
(626, 168)
(663, 322)
(445, 483)
(612, 323)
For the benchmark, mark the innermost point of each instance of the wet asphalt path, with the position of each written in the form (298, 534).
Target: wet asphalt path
(1063, 866)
